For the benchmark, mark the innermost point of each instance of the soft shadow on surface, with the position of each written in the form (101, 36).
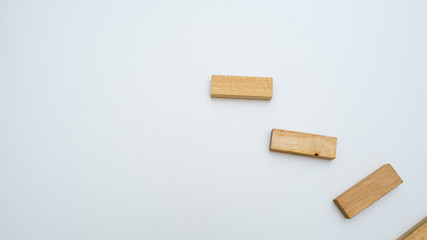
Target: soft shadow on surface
(239, 101)
(294, 158)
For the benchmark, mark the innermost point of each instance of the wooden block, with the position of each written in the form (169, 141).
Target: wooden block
(305, 144)
(367, 191)
(417, 232)
(260, 88)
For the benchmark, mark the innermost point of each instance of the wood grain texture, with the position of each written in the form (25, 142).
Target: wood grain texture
(304, 144)
(259, 88)
(368, 191)
(417, 232)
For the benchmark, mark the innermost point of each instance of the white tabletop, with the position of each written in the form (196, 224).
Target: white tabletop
(108, 131)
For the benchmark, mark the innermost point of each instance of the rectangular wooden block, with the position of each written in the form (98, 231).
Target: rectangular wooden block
(367, 191)
(417, 232)
(260, 88)
(305, 144)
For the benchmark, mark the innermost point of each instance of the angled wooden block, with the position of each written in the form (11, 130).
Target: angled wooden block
(367, 191)
(260, 88)
(417, 232)
(305, 144)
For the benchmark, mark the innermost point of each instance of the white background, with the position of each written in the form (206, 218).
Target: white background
(108, 131)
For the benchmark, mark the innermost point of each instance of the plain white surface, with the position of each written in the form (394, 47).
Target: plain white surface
(107, 130)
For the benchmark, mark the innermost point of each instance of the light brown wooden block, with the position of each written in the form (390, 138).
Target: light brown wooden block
(260, 88)
(367, 191)
(417, 232)
(305, 144)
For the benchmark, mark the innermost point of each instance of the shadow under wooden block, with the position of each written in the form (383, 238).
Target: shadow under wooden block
(368, 191)
(417, 232)
(258, 88)
(305, 144)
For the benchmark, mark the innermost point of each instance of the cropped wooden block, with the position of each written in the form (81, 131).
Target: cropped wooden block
(417, 232)
(305, 144)
(260, 88)
(368, 191)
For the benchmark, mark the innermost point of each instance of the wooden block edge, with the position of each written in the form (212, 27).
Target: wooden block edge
(238, 76)
(213, 95)
(413, 229)
(341, 209)
(301, 154)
